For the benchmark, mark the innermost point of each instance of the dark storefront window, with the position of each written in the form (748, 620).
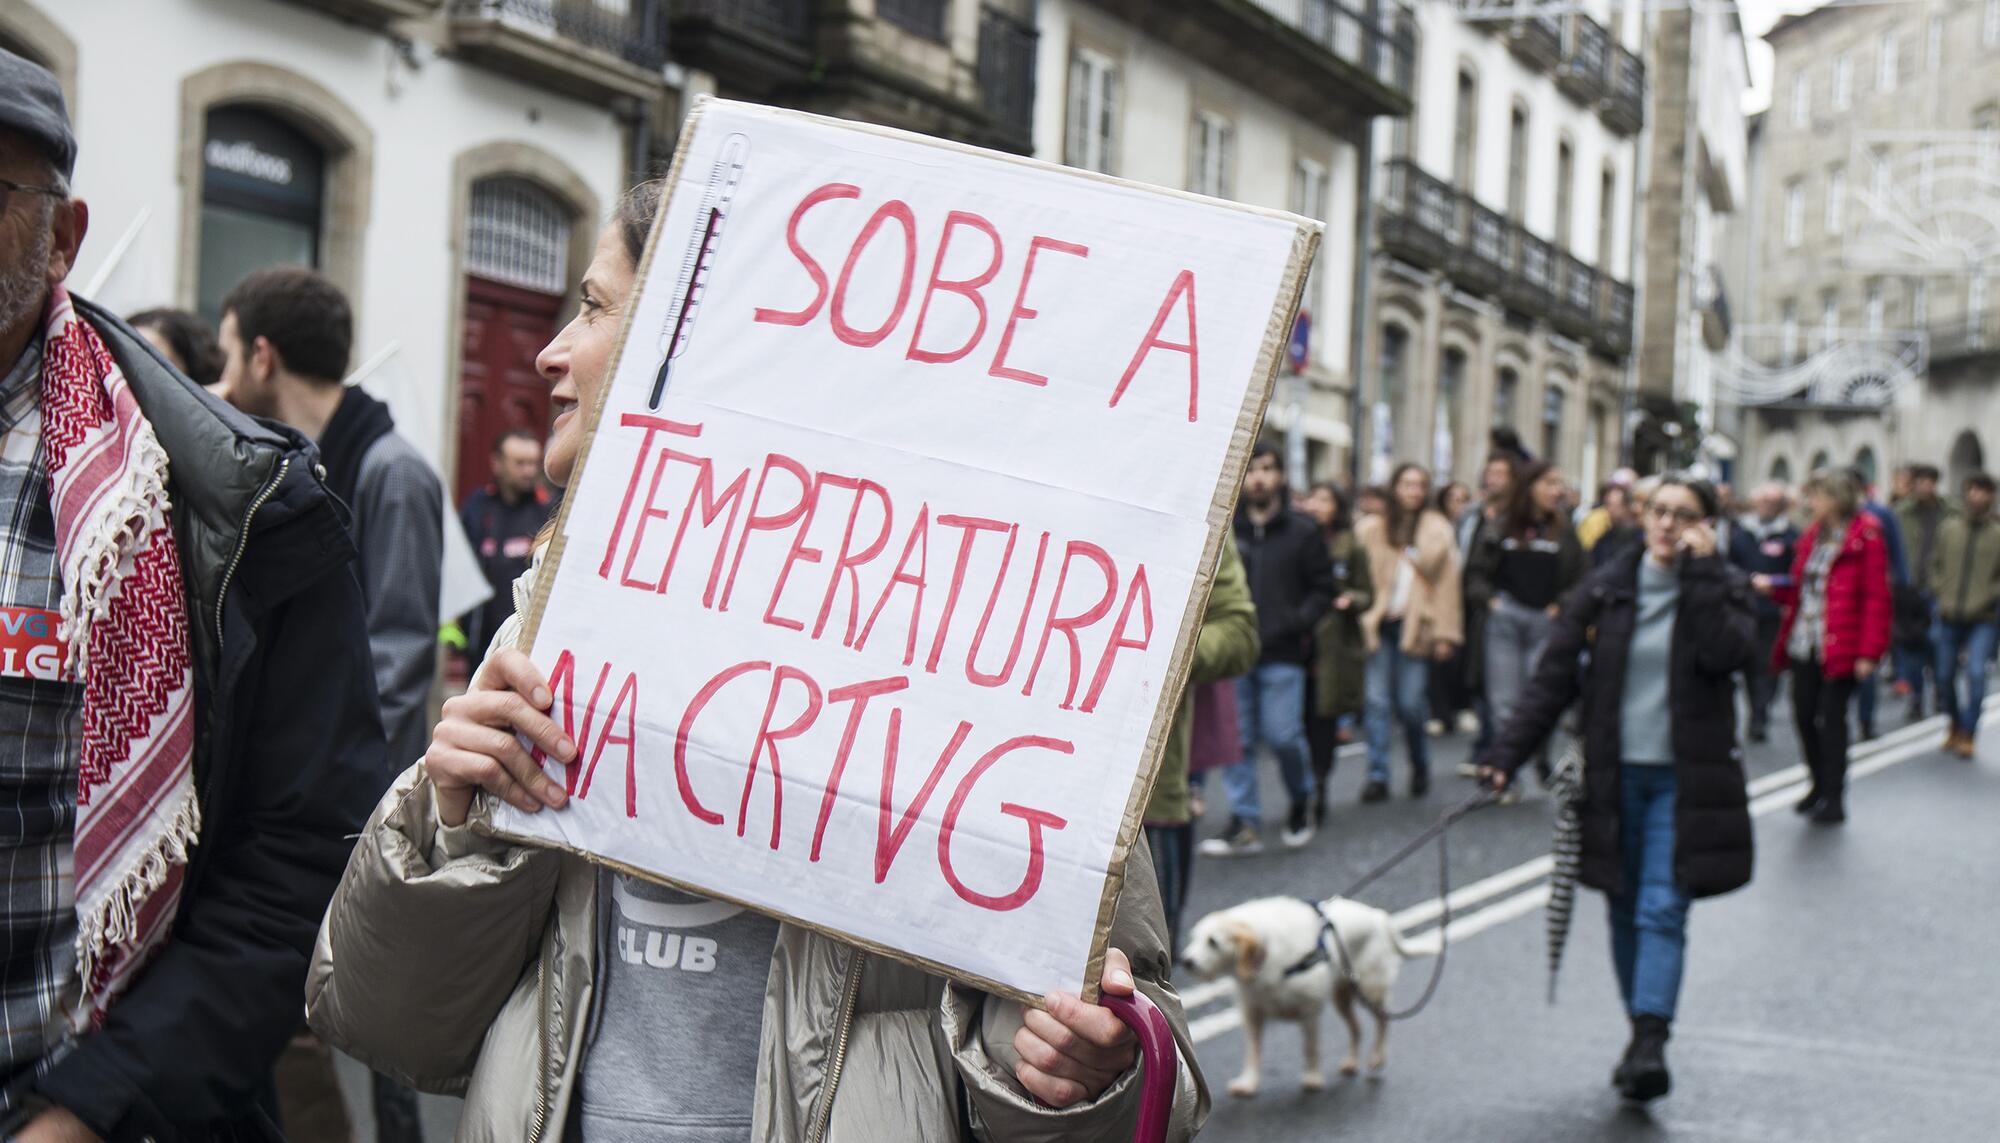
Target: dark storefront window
(263, 185)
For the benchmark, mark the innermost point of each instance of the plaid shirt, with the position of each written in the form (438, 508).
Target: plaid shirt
(41, 731)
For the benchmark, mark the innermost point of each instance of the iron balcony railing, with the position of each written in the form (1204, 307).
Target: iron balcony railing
(1419, 222)
(1383, 45)
(637, 35)
(1531, 287)
(923, 17)
(1614, 317)
(788, 21)
(1624, 108)
(1575, 311)
(1537, 40)
(1971, 337)
(1007, 72)
(1586, 62)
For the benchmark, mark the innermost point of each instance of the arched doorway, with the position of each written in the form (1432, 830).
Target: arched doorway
(263, 199)
(517, 255)
(1781, 471)
(1967, 457)
(1820, 460)
(1864, 461)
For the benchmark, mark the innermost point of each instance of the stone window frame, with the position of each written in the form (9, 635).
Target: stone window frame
(47, 45)
(509, 159)
(316, 112)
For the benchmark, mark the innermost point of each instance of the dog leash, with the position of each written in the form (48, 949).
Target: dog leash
(1441, 831)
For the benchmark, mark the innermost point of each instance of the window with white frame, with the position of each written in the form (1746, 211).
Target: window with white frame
(1926, 168)
(1829, 319)
(1874, 307)
(1934, 44)
(1092, 129)
(1788, 334)
(1885, 64)
(1843, 81)
(1991, 35)
(1986, 127)
(1920, 303)
(1975, 300)
(1795, 213)
(1836, 199)
(1211, 143)
(1801, 99)
(1880, 177)
(1309, 200)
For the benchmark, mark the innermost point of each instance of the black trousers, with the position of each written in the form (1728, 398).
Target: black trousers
(1759, 678)
(1323, 742)
(1819, 705)
(1173, 865)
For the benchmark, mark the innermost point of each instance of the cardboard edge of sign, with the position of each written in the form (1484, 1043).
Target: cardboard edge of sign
(1221, 511)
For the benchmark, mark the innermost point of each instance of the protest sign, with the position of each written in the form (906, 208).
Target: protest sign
(875, 590)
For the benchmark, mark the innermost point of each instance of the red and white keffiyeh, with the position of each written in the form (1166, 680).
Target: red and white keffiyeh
(124, 618)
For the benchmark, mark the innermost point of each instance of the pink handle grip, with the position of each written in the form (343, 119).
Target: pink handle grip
(1162, 1056)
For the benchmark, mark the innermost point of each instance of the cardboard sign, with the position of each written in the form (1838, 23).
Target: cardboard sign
(874, 593)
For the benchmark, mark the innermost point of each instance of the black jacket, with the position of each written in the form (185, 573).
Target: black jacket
(1767, 553)
(1715, 636)
(288, 760)
(1291, 581)
(1482, 572)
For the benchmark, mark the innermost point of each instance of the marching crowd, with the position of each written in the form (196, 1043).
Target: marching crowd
(235, 560)
(1426, 611)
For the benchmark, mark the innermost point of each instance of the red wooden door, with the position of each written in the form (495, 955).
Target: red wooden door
(498, 388)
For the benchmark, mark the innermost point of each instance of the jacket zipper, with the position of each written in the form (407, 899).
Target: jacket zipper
(542, 1073)
(243, 541)
(1965, 566)
(823, 1120)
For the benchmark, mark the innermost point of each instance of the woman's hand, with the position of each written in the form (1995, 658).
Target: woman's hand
(474, 746)
(1494, 780)
(1072, 1051)
(1343, 601)
(1443, 650)
(1698, 540)
(1864, 669)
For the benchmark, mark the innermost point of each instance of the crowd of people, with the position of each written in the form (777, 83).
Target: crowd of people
(244, 554)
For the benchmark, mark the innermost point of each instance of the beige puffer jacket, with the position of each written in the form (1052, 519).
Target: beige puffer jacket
(461, 964)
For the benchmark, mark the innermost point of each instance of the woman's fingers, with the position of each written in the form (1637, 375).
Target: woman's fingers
(504, 748)
(508, 669)
(467, 769)
(508, 710)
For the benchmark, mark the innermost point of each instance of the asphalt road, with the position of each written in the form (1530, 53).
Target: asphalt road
(1848, 994)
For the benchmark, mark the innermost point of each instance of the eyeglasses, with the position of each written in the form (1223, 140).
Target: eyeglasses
(1685, 517)
(9, 188)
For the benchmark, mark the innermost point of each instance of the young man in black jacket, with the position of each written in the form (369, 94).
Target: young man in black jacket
(1291, 582)
(262, 727)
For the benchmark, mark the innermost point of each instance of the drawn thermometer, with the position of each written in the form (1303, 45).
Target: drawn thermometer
(692, 281)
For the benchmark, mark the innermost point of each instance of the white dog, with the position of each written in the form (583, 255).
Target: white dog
(1273, 947)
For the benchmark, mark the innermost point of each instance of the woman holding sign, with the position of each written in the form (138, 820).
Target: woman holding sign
(569, 1002)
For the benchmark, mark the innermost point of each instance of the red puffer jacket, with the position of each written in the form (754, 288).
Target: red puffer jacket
(1857, 598)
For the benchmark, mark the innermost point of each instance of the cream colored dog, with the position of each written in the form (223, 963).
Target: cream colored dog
(1271, 946)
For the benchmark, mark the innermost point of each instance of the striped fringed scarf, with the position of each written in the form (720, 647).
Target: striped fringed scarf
(124, 619)
(1566, 784)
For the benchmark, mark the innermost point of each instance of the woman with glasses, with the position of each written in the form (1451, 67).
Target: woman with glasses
(1516, 577)
(1649, 644)
(1835, 629)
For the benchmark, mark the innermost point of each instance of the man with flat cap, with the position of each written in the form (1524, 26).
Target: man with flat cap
(188, 725)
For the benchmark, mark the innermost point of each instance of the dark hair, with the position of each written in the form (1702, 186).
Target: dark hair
(1341, 513)
(303, 316)
(1403, 524)
(1371, 492)
(636, 210)
(1704, 492)
(1924, 472)
(1521, 513)
(190, 339)
(1265, 446)
(1605, 490)
(1981, 481)
(1442, 494)
(500, 442)
(1505, 440)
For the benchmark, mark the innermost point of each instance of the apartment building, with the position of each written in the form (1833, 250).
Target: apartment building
(1501, 280)
(1268, 102)
(1878, 239)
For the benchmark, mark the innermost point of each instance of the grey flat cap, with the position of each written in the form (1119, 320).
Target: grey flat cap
(31, 102)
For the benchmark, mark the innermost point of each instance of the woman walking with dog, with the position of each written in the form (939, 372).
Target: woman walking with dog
(1649, 643)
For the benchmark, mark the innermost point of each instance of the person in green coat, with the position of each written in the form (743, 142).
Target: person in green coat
(1340, 648)
(1226, 647)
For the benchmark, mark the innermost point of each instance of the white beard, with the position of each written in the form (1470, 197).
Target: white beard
(23, 283)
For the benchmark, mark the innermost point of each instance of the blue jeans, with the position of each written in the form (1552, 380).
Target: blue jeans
(1648, 919)
(1396, 688)
(1976, 641)
(1271, 709)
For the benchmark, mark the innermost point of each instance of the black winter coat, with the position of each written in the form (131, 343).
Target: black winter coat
(1715, 636)
(1291, 581)
(288, 760)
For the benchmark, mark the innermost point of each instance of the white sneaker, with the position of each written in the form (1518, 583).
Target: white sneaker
(1434, 728)
(1468, 722)
(1240, 841)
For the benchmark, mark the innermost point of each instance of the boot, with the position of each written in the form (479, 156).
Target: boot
(1643, 1076)
(1808, 804)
